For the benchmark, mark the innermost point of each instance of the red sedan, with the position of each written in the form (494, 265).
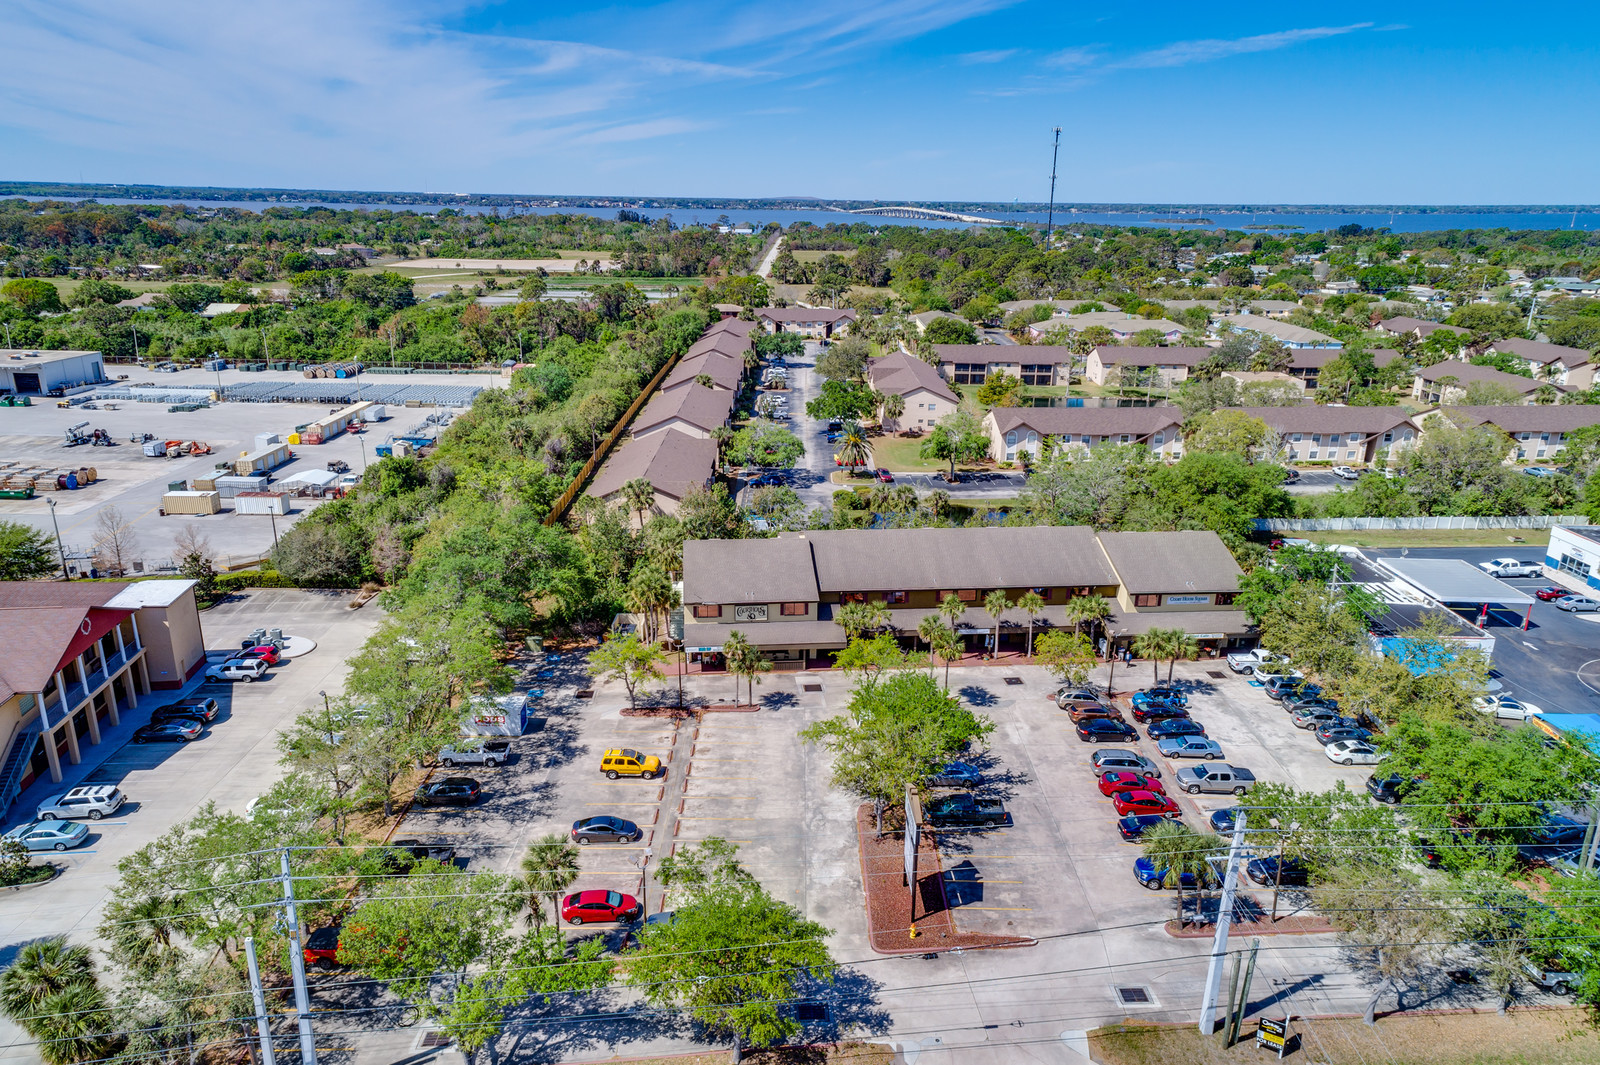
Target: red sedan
(885, 476)
(266, 652)
(1119, 781)
(1550, 594)
(586, 907)
(1144, 802)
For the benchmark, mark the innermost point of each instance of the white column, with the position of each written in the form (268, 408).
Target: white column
(61, 692)
(122, 650)
(83, 673)
(138, 644)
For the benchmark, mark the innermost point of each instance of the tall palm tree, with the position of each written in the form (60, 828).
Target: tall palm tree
(141, 933)
(721, 435)
(734, 649)
(894, 405)
(859, 618)
(854, 452)
(1152, 645)
(929, 628)
(938, 502)
(1030, 603)
(951, 608)
(1088, 610)
(1176, 849)
(550, 867)
(947, 646)
(752, 359)
(43, 968)
(1182, 646)
(73, 1025)
(650, 594)
(996, 604)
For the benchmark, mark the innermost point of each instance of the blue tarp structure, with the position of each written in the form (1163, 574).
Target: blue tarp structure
(1581, 728)
(1395, 647)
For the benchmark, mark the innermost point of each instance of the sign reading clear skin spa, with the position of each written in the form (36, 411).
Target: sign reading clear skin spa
(750, 613)
(1187, 600)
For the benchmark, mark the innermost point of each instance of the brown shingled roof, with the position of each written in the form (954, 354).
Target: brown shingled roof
(1094, 421)
(672, 461)
(897, 373)
(1466, 373)
(1545, 353)
(1150, 562)
(1157, 356)
(723, 370)
(1539, 418)
(702, 407)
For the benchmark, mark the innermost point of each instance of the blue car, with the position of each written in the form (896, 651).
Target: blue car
(957, 775)
(1134, 825)
(1175, 726)
(1149, 876)
(1163, 693)
(1223, 820)
(1539, 471)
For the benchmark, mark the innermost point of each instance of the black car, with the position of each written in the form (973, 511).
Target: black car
(402, 855)
(1223, 820)
(202, 708)
(1330, 733)
(1272, 870)
(1299, 691)
(451, 791)
(178, 730)
(1319, 702)
(1101, 729)
(1556, 836)
(163, 714)
(1133, 826)
(1175, 726)
(1388, 789)
(1158, 711)
(604, 829)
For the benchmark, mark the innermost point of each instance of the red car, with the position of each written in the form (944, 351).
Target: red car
(1119, 781)
(321, 948)
(1549, 594)
(266, 652)
(1144, 802)
(885, 476)
(586, 907)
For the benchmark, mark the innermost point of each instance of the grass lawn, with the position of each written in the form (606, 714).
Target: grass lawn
(1431, 538)
(904, 454)
(1523, 1037)
(66, 286)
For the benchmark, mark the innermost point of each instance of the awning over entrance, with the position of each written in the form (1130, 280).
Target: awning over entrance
(1454, 581)
(1201, 624)
(708, 637)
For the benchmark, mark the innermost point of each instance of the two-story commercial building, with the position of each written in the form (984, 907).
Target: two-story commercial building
(782, 594)
(77, 655)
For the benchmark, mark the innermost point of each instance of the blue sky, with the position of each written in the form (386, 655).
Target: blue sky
(896, 99)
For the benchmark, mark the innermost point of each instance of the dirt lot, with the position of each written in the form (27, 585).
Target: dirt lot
(1524, 1037)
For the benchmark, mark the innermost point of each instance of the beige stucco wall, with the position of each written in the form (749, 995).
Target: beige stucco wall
(174, 648)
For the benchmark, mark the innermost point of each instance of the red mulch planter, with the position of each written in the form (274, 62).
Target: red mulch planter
(889, 916)
(676, 713)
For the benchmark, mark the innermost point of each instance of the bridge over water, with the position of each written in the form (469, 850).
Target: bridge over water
(926, 213)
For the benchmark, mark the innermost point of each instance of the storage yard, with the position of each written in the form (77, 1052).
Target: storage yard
(159, 495)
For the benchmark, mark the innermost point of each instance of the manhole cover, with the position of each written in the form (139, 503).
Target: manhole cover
(1133, 996)
(586, 693)
(1215, 674)
(813, 687)
(810, 1011)
(1013, 680)
(435, 1039)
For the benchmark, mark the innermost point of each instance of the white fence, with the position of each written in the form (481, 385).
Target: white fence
(1541, 521)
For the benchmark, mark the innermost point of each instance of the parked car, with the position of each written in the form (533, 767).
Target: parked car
(1551, 841)
(1272, 870)
(451, 791)
(957, 775)
(605, 829)
(93, 801)
(203, 708)
(1066, 696)
(1144, 802)
(489, 752)
(955, 810)
(321, 948)
(1111, 759)
(48, 835)
(1550, 594)
(179, 730)
(1539, 471)
(1158, 711)
(1216, 778)
(1346, 473)
(1352, 752)
(587, 907)
(1145, 871)
(767, 479)
(1248, 662)
(1510, 567)
(1161, 694)
(247, 670)
(402, 854)
(1505, 706)
(1278, 683)
(1133, 827)
(1084, 711)
(1295, 691)
(1550, 978)
(1331, 733)
(885, 476)
(1189, 747)
(626, 762)
(1175, 726)
(1224, 820)
(1314, 702)
(266, 652)
(1315, 717)
(1577, 604)
(1388, 789)
(1101, 729)
(1118, 781)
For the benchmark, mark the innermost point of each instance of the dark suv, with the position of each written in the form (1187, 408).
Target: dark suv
(1388, 789)
(203, 708)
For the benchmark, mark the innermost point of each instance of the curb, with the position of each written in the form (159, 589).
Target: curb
(55, 875)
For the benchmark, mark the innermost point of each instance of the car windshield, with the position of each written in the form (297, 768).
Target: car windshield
(613, 898)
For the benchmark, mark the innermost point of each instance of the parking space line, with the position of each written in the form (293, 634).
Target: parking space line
(689, 795)
(641, 803)
(702, 817)
(701, 776)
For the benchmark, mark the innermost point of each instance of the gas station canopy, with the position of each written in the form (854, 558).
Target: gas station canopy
(1454, 582)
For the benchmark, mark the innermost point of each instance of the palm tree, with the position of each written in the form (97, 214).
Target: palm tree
(734, 649)
(1087, 610)
(551, 865)
(1030, 603)
(752, 358)
(858, 618)
(1175, 849)
(1152, 645)
(640, 495)
(43, 968)
(650, 594)
(894, 405)
(929, 628)
(938, 502)
(722, 435)
(995, 604)
(854, 451)
(73, 1025)
(951, 608)
(141, 932)
(947, 646)
(1182, 646)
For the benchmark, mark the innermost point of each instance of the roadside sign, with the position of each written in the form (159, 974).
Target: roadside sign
(1272, 1034)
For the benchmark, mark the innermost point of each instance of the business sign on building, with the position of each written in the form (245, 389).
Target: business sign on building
(1187, 600)
(750, 613)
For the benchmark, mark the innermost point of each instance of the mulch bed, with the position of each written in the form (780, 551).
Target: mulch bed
(684, 713)
(1290, 925)
(889, 916)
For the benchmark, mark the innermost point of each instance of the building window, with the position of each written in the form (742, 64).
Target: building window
(967, 595)
(1042, 593)
(1147, 600)
(1573, 566)
(793, 610)
(1011, 439)
(1226, 598)
(853, 597)
(703, 610)
(896, 598)
(1157, 440)
(1033, 438)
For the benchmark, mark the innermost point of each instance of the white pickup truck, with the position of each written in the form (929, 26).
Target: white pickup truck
(1249, 661)
(1510, 567)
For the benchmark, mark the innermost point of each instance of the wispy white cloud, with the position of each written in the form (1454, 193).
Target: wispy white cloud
(1070, 58)
(999, 55)
(638, 131)
(1182, 53)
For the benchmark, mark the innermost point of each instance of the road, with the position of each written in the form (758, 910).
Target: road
(1316, 482)
(765, 269)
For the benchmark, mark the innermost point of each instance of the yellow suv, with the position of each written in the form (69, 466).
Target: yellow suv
(623, 762)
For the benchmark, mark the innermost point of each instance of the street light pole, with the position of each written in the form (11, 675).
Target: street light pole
(274, 517)
(59, 546)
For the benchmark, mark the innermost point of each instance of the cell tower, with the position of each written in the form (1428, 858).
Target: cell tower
(1050, 218)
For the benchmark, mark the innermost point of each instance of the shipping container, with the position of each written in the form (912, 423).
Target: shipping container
(179, 486)
(269, 458)
(191, 503)
(261, 503)
(232, 486)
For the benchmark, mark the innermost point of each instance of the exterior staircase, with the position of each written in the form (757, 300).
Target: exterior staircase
(16, 762)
